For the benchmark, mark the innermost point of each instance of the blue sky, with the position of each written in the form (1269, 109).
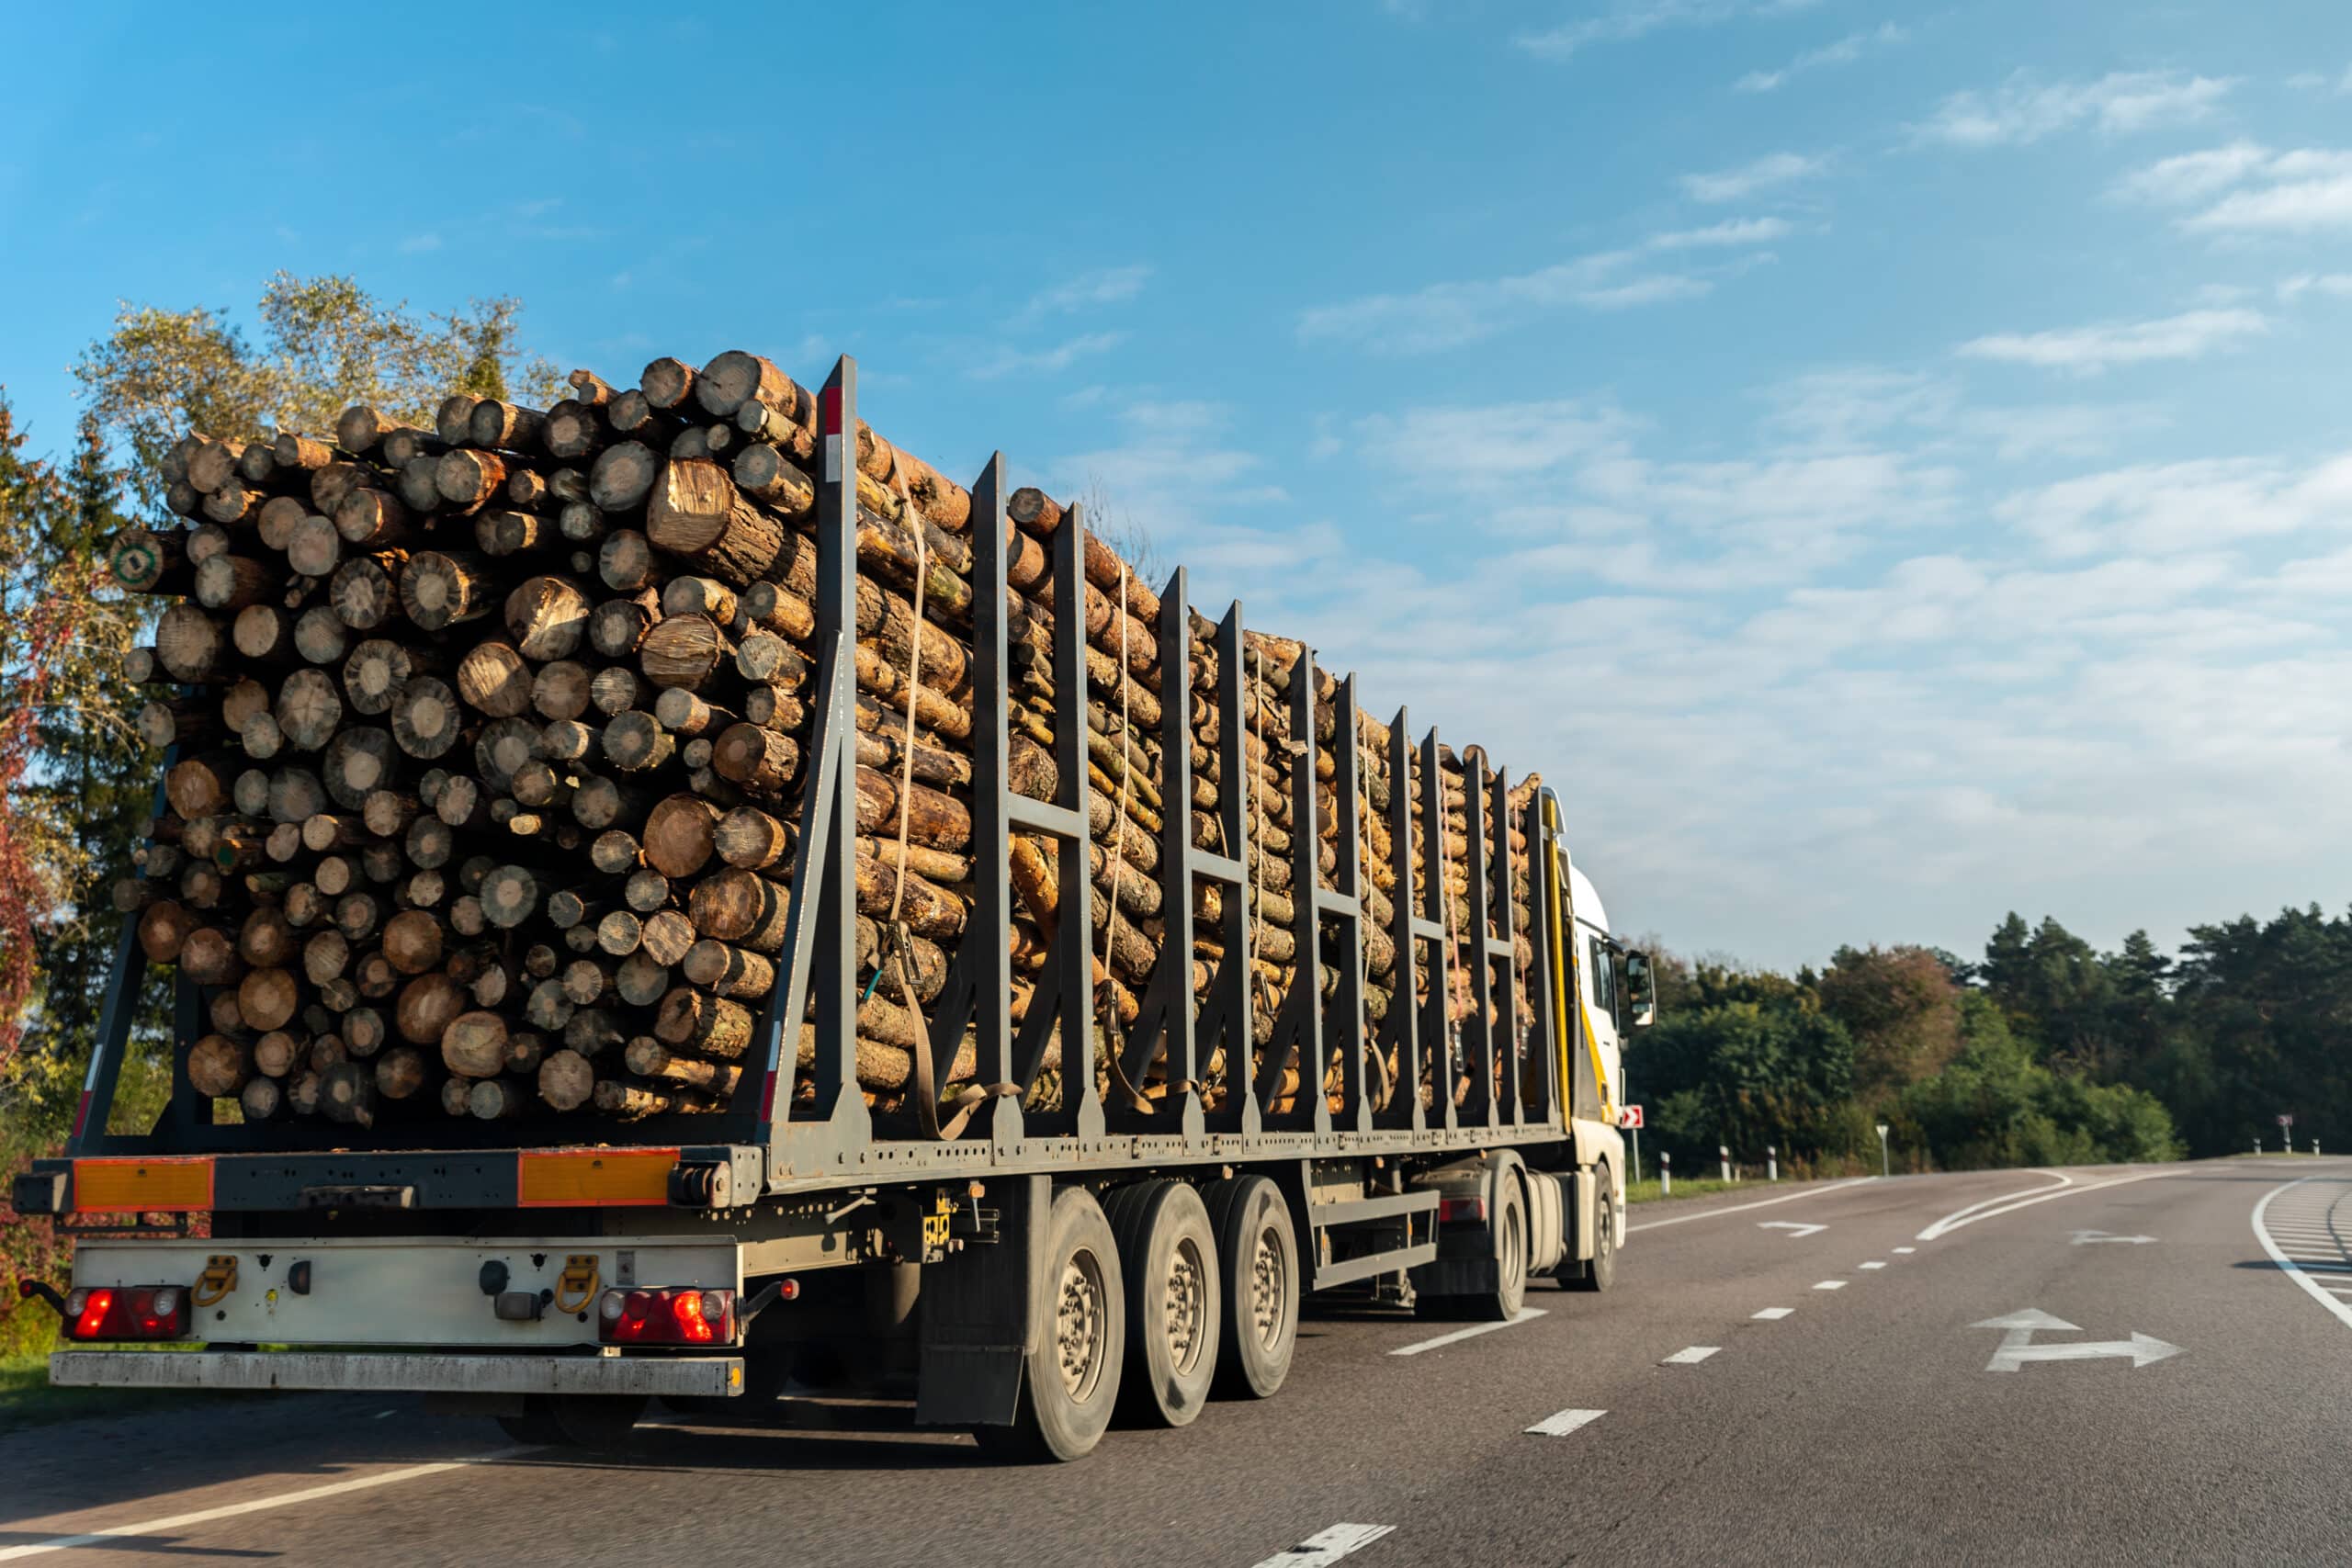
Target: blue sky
(1885, 464)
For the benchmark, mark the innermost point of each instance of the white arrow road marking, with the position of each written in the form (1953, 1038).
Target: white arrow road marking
(1994, 1208)
(231, 1510)
(1526, 1315)
(1743, 1208)
(1566, 1421)
(2294, 1271)
(1831, 1285)
(1791, 1226)
(1690, 1356)
(1327, 1546)
(2092, 1238)
(1772, 1314)
(2017, 1346)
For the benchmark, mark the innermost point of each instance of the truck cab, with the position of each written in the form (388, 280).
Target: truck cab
(1612, 995)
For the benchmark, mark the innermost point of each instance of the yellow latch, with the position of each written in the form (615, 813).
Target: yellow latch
(219, 1276)
(576, 1286)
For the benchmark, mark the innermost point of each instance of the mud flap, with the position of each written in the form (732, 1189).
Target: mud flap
(980, 1314)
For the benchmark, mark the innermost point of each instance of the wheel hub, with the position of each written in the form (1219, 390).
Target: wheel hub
(1269, 1277)
(1187, 1311)
(1079, 1324)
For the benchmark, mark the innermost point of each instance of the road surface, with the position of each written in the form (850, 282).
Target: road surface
(2131, 1365)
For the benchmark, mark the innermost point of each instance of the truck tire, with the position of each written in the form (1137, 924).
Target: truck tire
(596, 1420)
(1069, 1383)
(1511, 1248)
(1167, 1253)
(536, 1425)
(1600, 1270)
(1257, 1261)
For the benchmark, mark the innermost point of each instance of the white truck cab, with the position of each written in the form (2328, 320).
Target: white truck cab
(1613, 995)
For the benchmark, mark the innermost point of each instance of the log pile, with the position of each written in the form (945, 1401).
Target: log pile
(490, 742)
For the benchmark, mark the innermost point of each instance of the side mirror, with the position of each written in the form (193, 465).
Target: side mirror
(1641, 989)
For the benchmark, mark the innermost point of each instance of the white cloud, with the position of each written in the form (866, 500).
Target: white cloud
(2338, 284)
(2192, 177)
(2171, 508)
(2291, 207)
(1105, 285)
(1747, 180)
(1061, 356)
(418, 245)
(1627, 19)
(2088, 351)
(1445, 315)
(1845, 52)
(2022, 110)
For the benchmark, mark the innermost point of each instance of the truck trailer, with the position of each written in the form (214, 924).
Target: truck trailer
(1016, 1265)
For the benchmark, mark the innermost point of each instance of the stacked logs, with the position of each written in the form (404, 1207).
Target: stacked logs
(490, 742)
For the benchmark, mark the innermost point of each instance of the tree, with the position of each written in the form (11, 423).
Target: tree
(1902, 1009)
(326, 344)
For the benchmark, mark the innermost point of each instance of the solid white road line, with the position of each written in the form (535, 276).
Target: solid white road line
(2294, 1271)
(1771, 1315)
(2068, 1188)
(1831, 1285)
(1690, 1356)
(1327, 1546)
(1526, 1315)
(231, 1510)
(1566, 1421)
(1877, 1264)
(1955, 1217)
(1743, 1208)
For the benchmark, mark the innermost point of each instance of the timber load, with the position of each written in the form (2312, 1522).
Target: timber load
(490, 747)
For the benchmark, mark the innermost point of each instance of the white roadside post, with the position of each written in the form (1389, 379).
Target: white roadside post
(2314, 1145)
(1723, 1152)
(1771, 1163)
(2257, 1145)
(1665, 1174)
(1881, 1150)
(2286, 1133)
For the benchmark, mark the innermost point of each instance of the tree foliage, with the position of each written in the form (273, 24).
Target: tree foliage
(325, 345)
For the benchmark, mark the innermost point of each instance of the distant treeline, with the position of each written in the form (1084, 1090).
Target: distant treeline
(2046, 1052)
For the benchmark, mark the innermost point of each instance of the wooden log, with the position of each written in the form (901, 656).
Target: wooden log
(667, 383)
(190, 644)
(502, 748)
(668, 934)
(647, 1058)
(325, 956)
(268, 998)
(348, 1093)
(678, 837)
(426, 721)
(364, 590)
(427, 1006)
(504, 532)
(705, 1024)
(728, 971)
(360, 759)
(377, 667)
(574, 429)
(492, 1100)
(494, 678)
(750, 840)
(373, 519)
(412, 941)
(740, 908)
(319, 635)
(548, 617)
(685, 651)
(509, 895)
(599, 802)
(309, 709)
(467, 480)
(164, 929)
(417, 483)
(560, 688)
(507, 426)
(566, 1080)
(474, 1045)
(759, 759)
(933, 818)
(696, 512)
(218, 1066)
(441, 589)
(734, 377)
(623, 475)
(634, 742)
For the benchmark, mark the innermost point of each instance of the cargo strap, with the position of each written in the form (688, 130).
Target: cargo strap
(898, 952)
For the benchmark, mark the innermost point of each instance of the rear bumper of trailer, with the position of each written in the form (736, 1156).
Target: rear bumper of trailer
(421, 1372)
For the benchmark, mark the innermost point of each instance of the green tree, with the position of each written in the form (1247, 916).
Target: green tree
(325, 345)
(1902, 1009)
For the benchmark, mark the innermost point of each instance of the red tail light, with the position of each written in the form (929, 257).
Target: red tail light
(127, 1312)
(1461, 1210)
(687, 1317)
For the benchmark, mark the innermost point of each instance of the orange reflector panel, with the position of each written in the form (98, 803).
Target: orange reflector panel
(574, 1178)
(106, 1186)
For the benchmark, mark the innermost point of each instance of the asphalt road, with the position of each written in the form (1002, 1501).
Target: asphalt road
(1889, 1419)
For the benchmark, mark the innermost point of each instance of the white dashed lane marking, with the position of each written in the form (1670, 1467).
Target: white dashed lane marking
(1690, 1356)
(1526, 1315)
(1327, 1546)
(1772, 1314)
(1831, 1285)
(1566, 1421)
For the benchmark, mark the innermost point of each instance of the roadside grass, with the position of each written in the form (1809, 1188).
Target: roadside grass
(1647, 1190)
(27, 1400)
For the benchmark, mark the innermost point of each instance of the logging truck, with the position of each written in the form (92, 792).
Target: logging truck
(1359, 1039)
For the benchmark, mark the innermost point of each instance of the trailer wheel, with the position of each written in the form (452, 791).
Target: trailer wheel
(1069, 1383)
(1257, 1260)
(597, 1420)
(536, 1425)
(1502, 1302)
(1601, 1269)
(1167, 1252)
